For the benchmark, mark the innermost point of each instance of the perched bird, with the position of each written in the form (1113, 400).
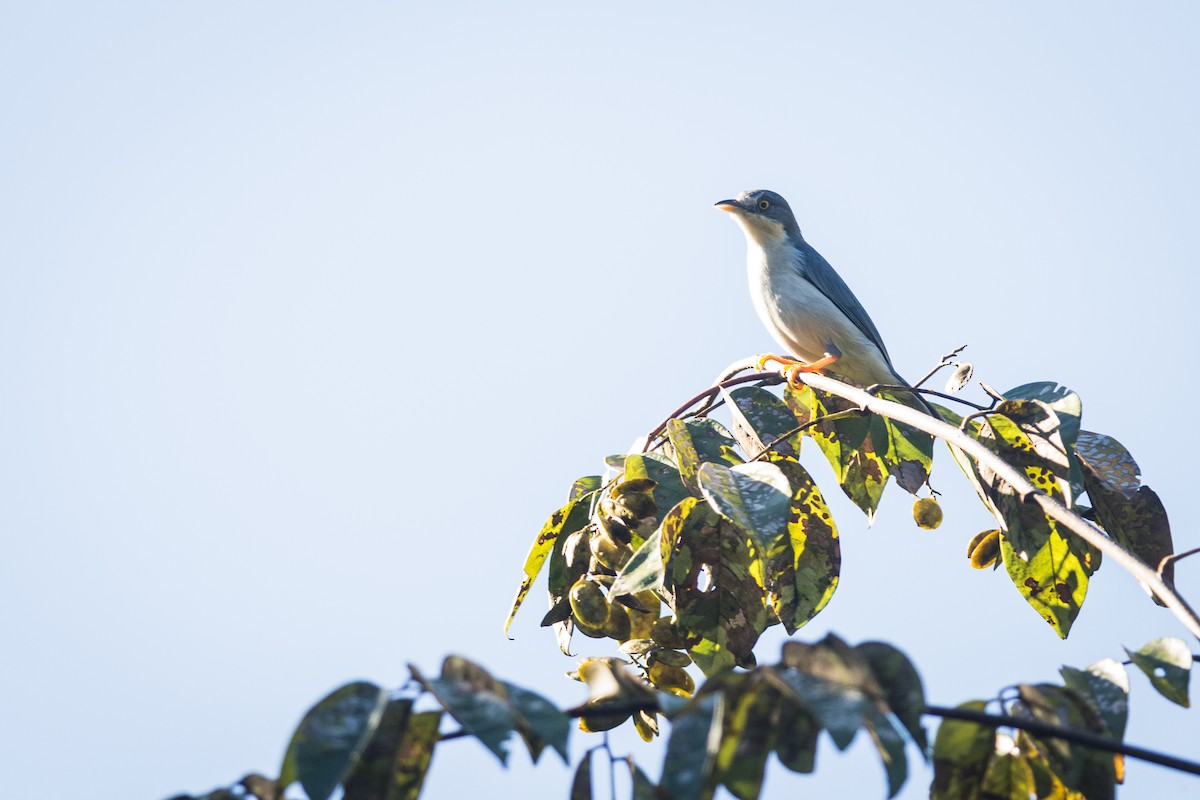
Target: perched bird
(805, 304)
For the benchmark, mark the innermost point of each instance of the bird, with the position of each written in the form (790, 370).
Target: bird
(805, 304)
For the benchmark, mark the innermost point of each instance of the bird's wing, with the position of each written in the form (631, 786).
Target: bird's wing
(813, 266)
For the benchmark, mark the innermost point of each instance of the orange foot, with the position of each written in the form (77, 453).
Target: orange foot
(792, 367)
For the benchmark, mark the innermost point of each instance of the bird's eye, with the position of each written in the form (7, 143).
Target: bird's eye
(763, 205)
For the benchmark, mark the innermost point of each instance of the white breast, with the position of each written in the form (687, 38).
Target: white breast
(803, 320)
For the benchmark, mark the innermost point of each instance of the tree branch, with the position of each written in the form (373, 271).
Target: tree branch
(955, 437)
(1085, 738)
(1010, 475)
(1034, 726)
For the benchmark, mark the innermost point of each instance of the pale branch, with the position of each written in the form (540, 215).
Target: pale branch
(1014, 478)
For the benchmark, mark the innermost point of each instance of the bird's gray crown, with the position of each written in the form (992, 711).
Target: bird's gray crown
(767, 205)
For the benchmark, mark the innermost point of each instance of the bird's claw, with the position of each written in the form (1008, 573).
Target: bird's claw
(791, 369)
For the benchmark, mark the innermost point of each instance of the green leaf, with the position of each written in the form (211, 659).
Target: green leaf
(1065, 403)
(658, 468)
(581, 785)
(1080, 768)
(1110, 463)
(839, 708)
(1052, 578)
(539, 722)
(746, 739)
(584, 486)
(394, 764)
(909, 454)
(1129, 512)
(643, 787)
(1049, 567)
(854, 453)
(796, 744)
(569, 518)
(692, 749)
(755, 497)
(1008, 777)
(889, 742)
(1068, 408)
(760, 419)
(371, 777)
(1104, 686)
(801, 569)
(903, 690)
(477, 701)
(644, 570)
(330, 737)
(1167, 662)
(961, 752)
(685, 453)
(414, 755)
(716, 599)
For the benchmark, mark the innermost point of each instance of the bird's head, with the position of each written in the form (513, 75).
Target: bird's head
(763, 215)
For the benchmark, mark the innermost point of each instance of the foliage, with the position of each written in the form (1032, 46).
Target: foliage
(693, 545)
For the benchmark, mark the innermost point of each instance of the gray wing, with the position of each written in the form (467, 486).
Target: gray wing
(816, 269)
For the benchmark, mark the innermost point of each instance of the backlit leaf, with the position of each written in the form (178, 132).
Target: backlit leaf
(539, 722)
(477, 701)
(801, 569)
(333, 734)
(716, 598)
(902, 687)
(1167, 662)
(746, 739)
(569, 518)
(1104, 685)
(581, 784)
(856, 455)
(669, 488)
(760, 420)
(692, 748)
(961, 752)
(755, 497)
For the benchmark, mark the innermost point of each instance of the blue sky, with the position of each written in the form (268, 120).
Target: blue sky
(310, 313)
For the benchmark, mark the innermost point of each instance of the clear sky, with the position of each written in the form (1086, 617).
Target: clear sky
(311, 312)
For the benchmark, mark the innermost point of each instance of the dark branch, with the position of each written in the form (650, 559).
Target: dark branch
(1085, 738)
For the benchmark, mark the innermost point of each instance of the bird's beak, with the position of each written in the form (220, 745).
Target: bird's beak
(730, 206)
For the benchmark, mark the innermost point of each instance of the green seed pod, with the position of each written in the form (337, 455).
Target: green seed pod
(673, 658)
(588, 604)
(638, 505)
(618, 625)
(608, 552)
(984, 549)
(646, 725)
(665, 634)
(672, 679)
(927, 513)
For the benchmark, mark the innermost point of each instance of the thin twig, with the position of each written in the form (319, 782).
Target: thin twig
(945, 362)
(932, 392)
(1170, 560)
(768, 378)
